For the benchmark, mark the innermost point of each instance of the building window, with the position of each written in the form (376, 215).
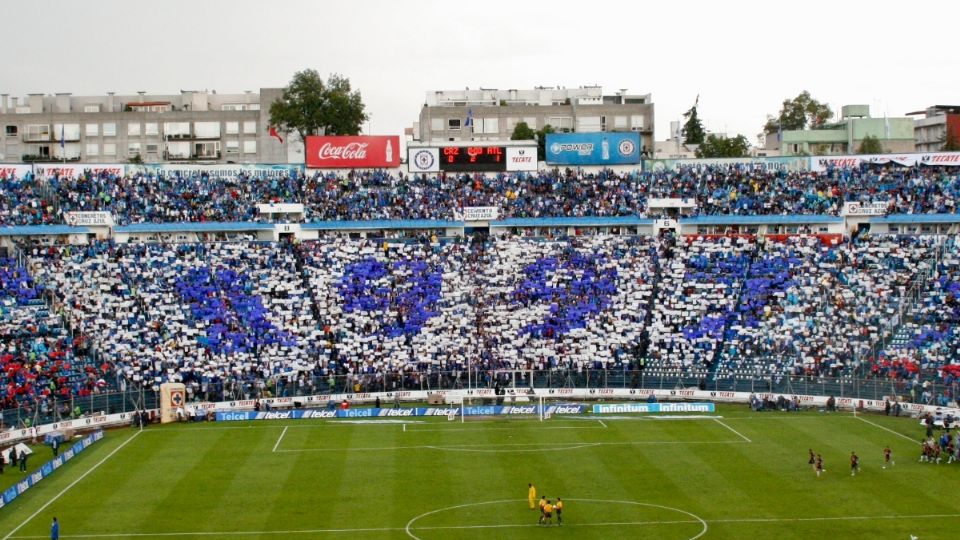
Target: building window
(110, 149)
(176, 130)
(91, 108)
(133, 149)
(133, 129)
(249, 147)
(38, 132)
(69, 132)
(110, 129)
(636, 122)
(436, 124)
(487, 125)
(233, 147)
(619, 122)
(151, 128)
(453, 124)
(249, 127)
(153, 148)
(589, 124)
(178, 150)
(563, 124)
(208, 150)
(93, 149)
(92, 130)
(11, 131)
(206, 130)
(232, 128)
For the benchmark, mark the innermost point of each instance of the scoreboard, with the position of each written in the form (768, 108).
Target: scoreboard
(473, 158)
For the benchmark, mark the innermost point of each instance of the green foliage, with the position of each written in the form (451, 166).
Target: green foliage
(136, 160)
(693, 132)
(542, 141)
(311, 107)
(799, 113)
(870, 145)
(522, 132)
(715, 146)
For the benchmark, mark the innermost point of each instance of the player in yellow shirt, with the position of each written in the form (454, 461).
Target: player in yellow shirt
(548, 513)
(559, 508)
(543, 503)
(532, 495)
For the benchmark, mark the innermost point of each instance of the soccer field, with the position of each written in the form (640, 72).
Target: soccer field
(736, 474)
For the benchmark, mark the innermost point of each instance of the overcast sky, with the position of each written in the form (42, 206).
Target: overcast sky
(742, 58)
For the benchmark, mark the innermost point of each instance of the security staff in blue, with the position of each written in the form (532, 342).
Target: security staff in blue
(55, 530)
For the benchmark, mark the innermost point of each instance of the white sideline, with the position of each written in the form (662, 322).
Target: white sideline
(741, 435)
(897, 433)
(280, 438)
(75, 482)
(498, 526)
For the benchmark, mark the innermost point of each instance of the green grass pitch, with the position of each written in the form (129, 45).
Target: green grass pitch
(737, 475)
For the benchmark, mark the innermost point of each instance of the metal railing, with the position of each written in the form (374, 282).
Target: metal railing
(140, 398)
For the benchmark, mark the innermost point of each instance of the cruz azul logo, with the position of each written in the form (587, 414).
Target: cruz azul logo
(423, 159)
(626, 147)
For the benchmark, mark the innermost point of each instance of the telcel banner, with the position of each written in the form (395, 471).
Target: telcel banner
(593, 148)
(349, 152)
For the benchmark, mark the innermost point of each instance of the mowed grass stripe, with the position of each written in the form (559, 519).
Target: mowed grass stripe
(23, 506)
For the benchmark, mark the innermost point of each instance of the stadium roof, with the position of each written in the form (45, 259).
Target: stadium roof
(208, 226)
(381, 224)
(918, 218)
(793, 219)
(572, 221)
(32, 230)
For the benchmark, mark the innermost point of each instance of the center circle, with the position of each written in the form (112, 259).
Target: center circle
(693, 517)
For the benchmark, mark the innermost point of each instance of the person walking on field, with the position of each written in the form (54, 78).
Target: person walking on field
(532, 496)
(55, 530)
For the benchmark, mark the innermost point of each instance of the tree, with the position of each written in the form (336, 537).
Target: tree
(714, 147)
(522, 132)
(693, 132)
(311, 107)
(870, 145)
(799, 113)
(950, 142)
(542, 141)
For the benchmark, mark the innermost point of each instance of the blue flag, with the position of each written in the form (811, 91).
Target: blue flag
(61, 137)
(469, 121)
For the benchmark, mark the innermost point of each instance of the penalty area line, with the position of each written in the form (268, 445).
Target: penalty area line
(280, 438)
(874, 424)
(737, 433)
(66, 489)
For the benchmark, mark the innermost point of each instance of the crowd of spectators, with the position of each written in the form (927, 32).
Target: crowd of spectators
(369, 195)
(243, 318)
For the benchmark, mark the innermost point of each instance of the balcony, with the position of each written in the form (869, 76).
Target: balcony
(213, 156)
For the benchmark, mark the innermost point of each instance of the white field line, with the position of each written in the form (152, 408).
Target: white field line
(601, 423)
(502, 526)
(280, 438)
(741, 435)
(897, 433)
(75, 482)
(500, 447)
(427, 430)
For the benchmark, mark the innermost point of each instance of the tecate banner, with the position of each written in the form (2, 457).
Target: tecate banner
(353, 152)
(647, 408)
(78, 169)
(593, 148)
(423, 160)
(521, 158)
(14, 170)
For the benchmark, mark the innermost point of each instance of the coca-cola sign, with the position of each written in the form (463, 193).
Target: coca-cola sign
(349, 152)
